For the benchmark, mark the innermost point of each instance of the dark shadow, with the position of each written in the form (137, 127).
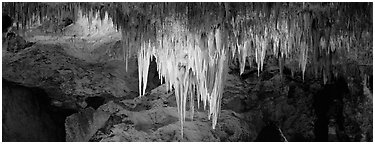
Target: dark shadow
(270, 133)
(28, 115)
(328, 104)
(95, 102)
(7, 22)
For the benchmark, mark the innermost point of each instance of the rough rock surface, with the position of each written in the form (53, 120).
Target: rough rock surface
(81, 126)
(358, 116)
(288, 102)
(15, 43)
(271, 98)
(162, 124)
(62, 76)
(154, 117)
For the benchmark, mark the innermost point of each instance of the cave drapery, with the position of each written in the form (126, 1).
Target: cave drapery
(194, 42)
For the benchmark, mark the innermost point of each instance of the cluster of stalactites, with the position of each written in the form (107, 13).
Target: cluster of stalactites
(190, 64)
(285, 36)
(285, 29)
(27, 14)
(331, 51)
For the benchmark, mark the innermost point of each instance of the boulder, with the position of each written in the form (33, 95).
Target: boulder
(80, 127)
(15, 43)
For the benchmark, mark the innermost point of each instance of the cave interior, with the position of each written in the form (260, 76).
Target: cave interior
(220, 71)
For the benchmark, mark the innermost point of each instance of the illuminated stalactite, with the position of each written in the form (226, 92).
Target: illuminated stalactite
(189, 62)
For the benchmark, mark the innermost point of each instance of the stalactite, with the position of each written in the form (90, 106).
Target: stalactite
(125, 48)
(144, 58)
